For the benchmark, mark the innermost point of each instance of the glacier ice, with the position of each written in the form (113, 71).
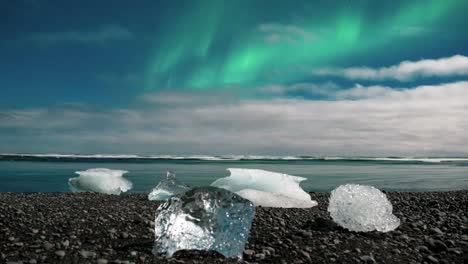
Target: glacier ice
(362, 208)
(100, 180)
(270, 199)
(167, 187)
(204, 218)
(266, 188)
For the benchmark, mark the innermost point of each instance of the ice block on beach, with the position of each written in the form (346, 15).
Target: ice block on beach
(267, 188)
(270, 199)
(362, 208)
(100, 180)
(167, 187)
(204, 218)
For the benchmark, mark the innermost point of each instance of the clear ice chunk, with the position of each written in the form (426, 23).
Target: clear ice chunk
(100, 180)
(362, 208)
(204, 218)
(267, 188)
(167, 187)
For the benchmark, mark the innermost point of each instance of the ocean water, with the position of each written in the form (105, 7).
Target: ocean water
(50, 173)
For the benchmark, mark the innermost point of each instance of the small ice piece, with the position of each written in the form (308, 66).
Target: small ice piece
(204, 218)
(362, 208)
(167, 187)
(266, 188)
(100, 180)
(269, 199)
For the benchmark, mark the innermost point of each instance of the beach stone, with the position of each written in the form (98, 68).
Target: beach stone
(87, 254)
(204, 218)
(436, 245)
(432, 259)
(423, 249)
(66, 243)
(60, 253)
(305, 254)
(270, 250)
(305, 234)
(457, 251)
(249, 252)
(47, 245)
(368, 259)
(437, 231)
(450, 243)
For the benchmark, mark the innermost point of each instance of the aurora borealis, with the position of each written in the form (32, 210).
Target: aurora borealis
(202, 52)
(196, 76)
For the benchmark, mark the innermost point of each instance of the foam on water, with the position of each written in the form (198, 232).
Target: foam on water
(265, 186)
(100, 180)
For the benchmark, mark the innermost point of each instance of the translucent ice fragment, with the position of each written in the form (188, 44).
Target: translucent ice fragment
(362, 208)
(269, 199)
(100, 180)
(205, 218)
(266, 188)
(167, 187)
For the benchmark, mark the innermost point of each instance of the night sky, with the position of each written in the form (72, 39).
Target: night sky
(336, 78)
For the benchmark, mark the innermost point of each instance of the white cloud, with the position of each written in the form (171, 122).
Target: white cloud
(275, 33)
(405, 71)
(99, 35)
(425, 120)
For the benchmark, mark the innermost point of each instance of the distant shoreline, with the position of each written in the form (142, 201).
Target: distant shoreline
(220, 158)
(87, 227)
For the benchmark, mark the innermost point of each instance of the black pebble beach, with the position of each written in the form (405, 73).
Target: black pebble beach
(98, 228)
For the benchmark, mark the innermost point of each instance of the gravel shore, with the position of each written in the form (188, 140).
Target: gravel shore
(97, 228)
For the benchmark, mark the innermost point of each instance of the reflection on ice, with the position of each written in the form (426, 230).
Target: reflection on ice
(167, 187)
(100, 180)
(205, 218)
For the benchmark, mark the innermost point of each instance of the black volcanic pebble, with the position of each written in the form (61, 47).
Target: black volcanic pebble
(97, 228)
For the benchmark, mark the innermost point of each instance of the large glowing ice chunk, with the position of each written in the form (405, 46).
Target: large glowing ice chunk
(100, 180)
(167, 187)
(362, 208)
(266, 188)
(205, 218)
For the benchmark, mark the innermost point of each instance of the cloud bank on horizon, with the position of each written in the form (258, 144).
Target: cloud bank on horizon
(342, 78)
